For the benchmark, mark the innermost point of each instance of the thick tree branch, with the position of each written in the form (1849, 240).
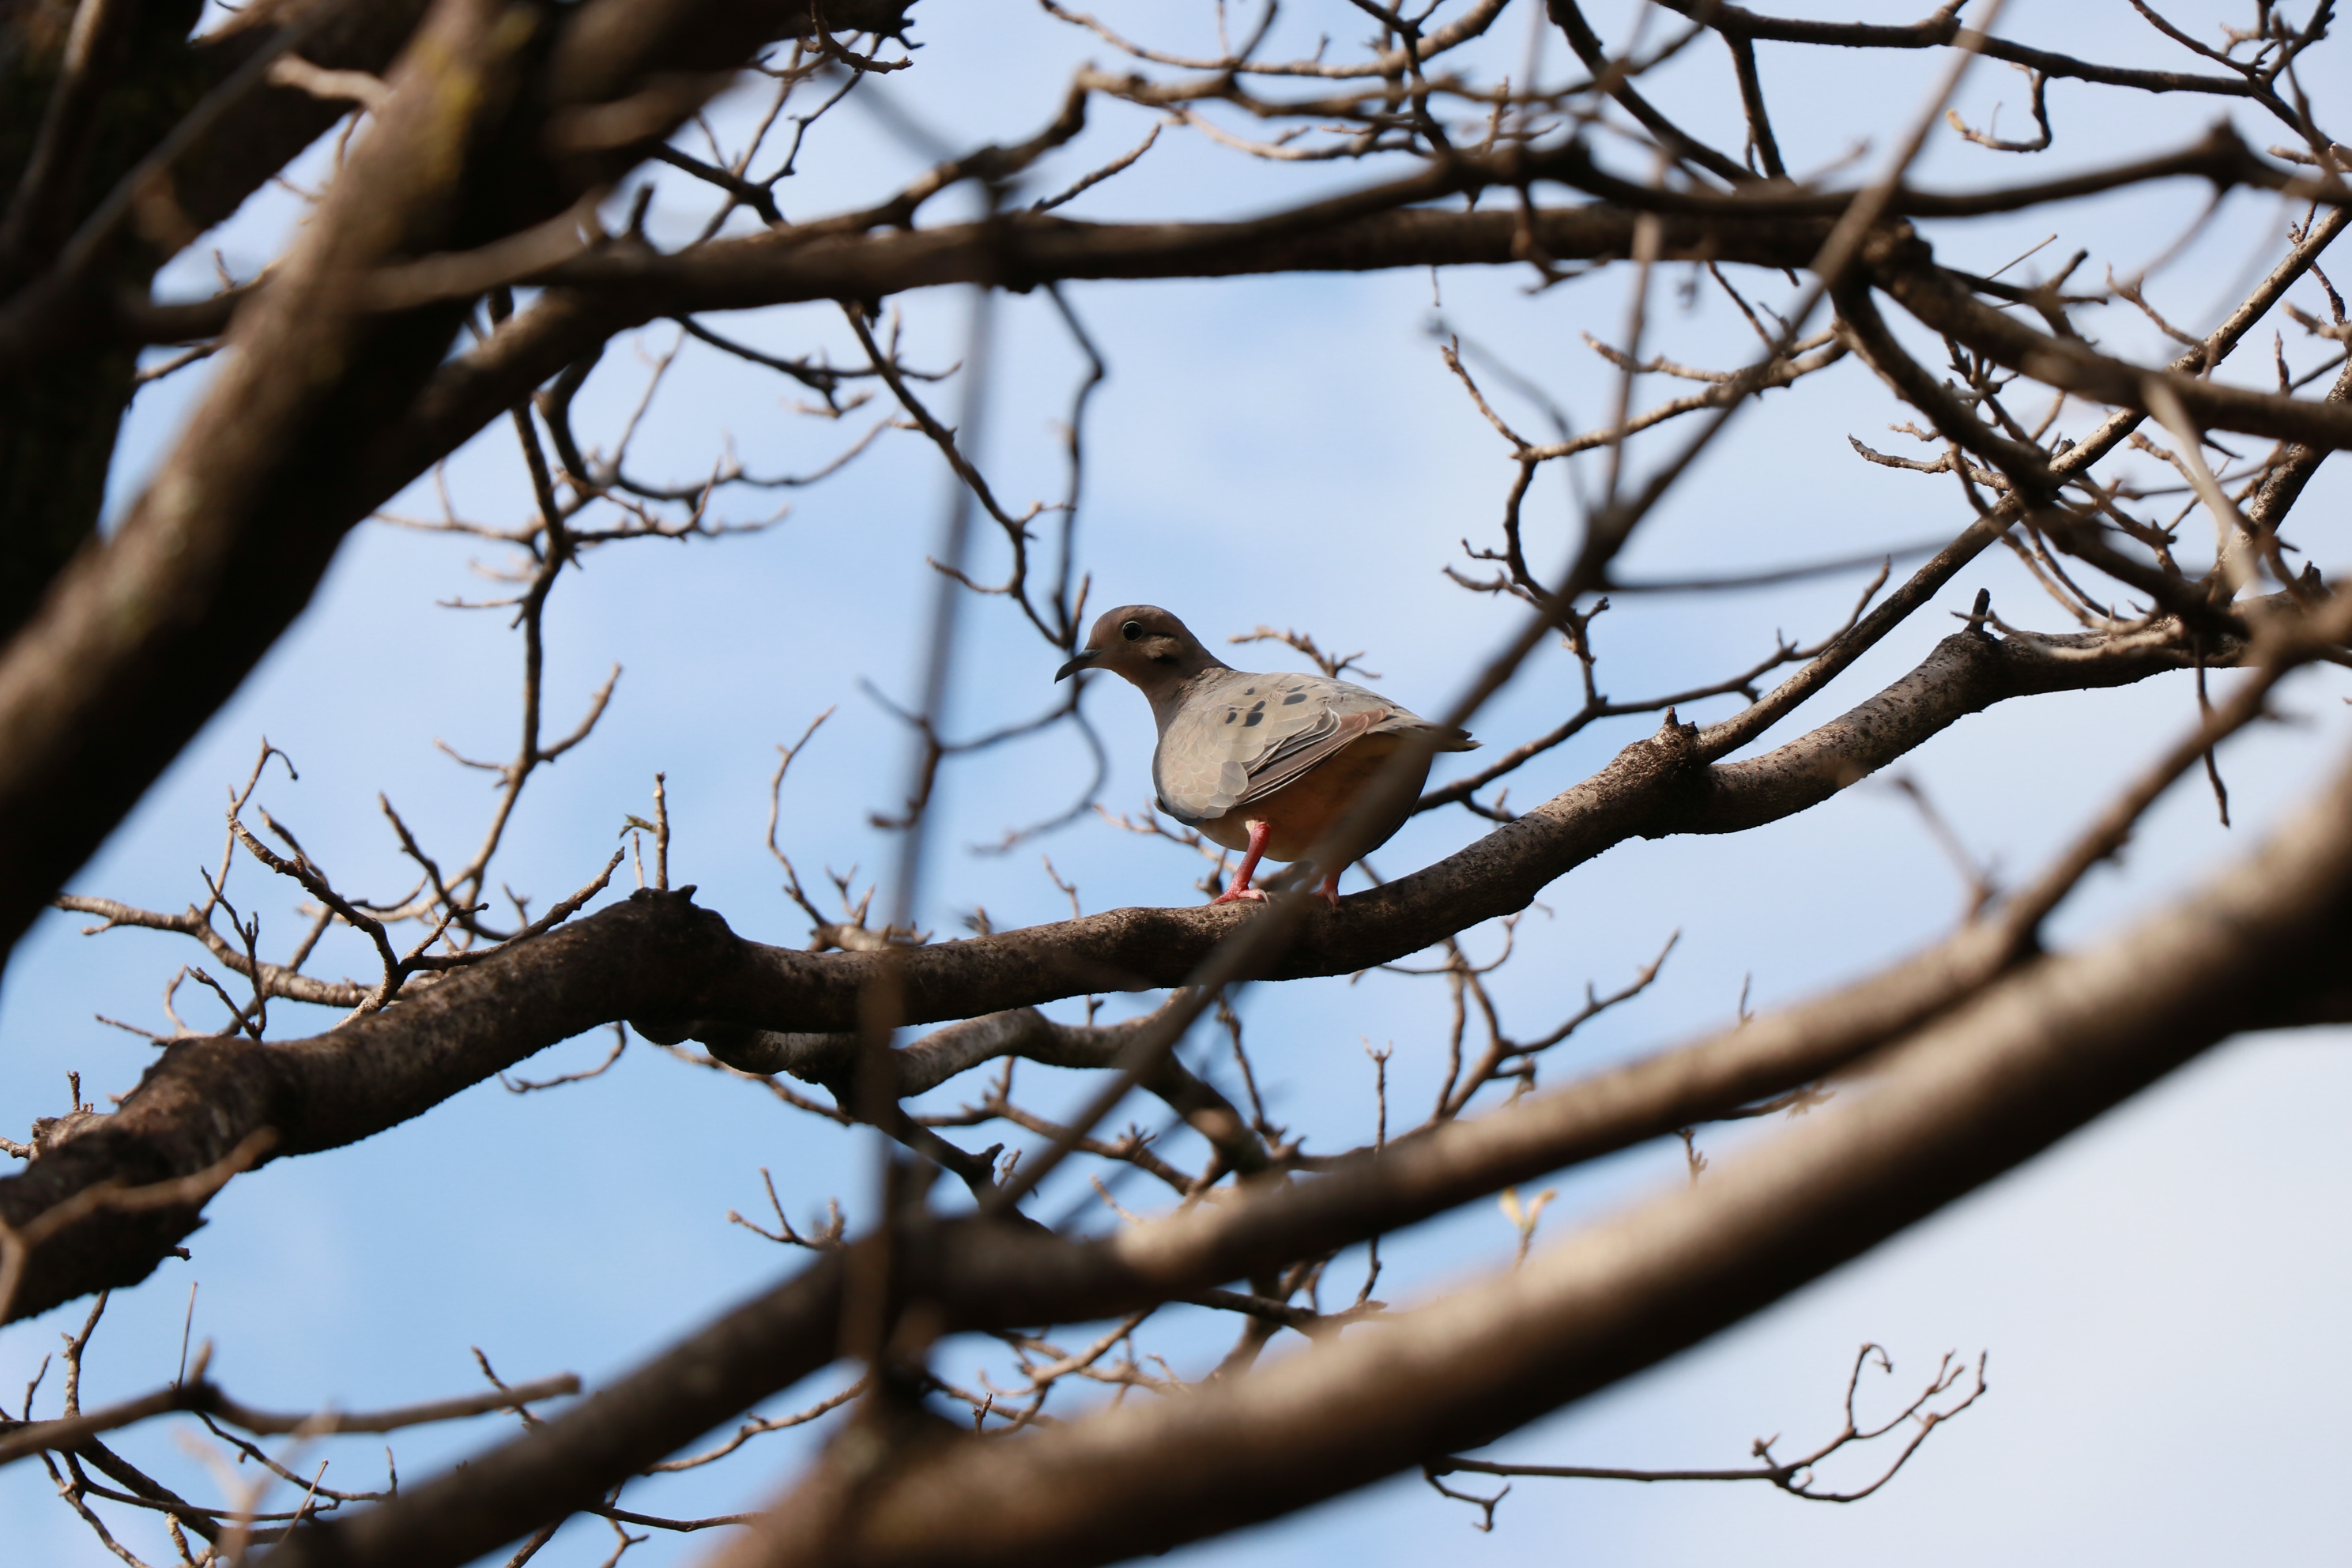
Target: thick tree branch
(1967, 1098)
(484, 164)
(835, 257)
(146, 634)
(992, 1277)
(657, 957)
(981, 1276)
(1015, 251)
(117, 721)
(1022, 250)
(869, 255)
(260, 136)
(1902, 267)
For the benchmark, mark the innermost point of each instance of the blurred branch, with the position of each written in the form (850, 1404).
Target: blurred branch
(656, 956)
(197, 1395)
(1963, 1099)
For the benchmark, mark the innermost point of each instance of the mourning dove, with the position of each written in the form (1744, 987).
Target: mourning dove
(1262, 764)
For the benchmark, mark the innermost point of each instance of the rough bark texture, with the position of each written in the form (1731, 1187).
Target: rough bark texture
(335, 389)
(58, 423)
(1971, 1096)
(58, 427)
(659, 959)
(1998, 1079)
(144, 639)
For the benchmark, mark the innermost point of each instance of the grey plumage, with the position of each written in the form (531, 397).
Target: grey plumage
(1234, 738)
(1267, 764)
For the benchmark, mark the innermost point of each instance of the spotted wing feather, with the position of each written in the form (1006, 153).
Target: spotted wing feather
(1240, 737)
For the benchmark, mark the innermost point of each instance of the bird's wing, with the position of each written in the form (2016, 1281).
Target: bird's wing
(1244, 736)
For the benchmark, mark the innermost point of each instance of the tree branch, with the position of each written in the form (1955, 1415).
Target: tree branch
(656, 956)
(1902, 267)
(1966, 1098)
(2033, 1056)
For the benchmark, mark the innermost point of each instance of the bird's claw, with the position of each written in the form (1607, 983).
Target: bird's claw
(1237, 895)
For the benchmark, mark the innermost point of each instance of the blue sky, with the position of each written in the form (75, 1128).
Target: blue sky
(2160, 1295)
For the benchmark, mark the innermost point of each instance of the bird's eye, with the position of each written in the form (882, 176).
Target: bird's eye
(1132, 630)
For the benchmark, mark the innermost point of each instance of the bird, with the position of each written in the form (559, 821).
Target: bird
(1265, 765)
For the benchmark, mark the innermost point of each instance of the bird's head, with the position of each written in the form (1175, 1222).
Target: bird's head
(1145, 644)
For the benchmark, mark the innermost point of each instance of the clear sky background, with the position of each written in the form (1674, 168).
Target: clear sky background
(2160, 1295)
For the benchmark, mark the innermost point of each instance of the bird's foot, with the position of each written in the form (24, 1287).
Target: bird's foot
(1238, 895)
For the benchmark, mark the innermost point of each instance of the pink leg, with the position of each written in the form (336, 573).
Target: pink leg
(1330, 890)
(1240, 887)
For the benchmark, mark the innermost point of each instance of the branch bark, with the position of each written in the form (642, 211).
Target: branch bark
(656, 957)
(113, 707)
(1970, 1097)
(1902, 267)
(1942, 30)
(983, 1276)
(144, 634)
(58, 425)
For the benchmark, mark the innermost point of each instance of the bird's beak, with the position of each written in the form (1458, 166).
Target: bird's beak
(1083, 659)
